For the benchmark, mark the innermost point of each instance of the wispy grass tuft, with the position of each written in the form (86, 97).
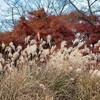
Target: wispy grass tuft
(49, 83)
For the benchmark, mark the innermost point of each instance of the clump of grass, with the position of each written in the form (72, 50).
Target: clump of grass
(87, 87)
(49, 83)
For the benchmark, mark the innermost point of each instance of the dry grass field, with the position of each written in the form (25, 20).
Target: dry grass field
(61, 77)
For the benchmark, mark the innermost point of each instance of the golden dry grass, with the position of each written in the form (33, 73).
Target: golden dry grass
(49, 83)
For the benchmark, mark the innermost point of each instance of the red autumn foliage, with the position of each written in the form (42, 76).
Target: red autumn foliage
(7, 37)
(60, 27)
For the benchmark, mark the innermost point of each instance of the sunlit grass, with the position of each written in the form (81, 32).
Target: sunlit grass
(49, 83)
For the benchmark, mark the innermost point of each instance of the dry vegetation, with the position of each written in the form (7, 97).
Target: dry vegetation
(49, 83)
(57, 76)
(43, 58)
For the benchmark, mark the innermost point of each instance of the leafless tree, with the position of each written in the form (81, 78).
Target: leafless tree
(89, 9)
(18, 8)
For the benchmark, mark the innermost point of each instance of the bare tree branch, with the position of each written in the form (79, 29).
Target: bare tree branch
(89, 6)
(93, 2)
